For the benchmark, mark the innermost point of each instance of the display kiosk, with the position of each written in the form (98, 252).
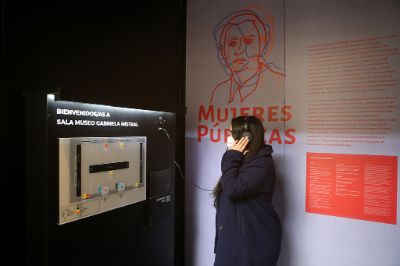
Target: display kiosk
(99, 183)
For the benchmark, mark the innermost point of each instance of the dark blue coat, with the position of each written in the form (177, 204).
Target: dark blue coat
(248, 230)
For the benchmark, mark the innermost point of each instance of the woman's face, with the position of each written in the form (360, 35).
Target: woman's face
(230, 140)
(242, 47)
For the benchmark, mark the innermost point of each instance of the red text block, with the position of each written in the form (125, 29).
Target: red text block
(352, 185)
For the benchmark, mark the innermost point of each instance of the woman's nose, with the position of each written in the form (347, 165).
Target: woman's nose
(240, 47)
(238, 52)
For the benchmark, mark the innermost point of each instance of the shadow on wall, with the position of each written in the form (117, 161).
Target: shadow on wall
(280, 202)
(199, 212)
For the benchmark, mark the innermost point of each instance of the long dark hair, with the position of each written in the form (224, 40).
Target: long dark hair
(256, 128)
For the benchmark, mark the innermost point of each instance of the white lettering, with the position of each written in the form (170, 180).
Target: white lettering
(82, 113)
(84, 123)
(65, 122)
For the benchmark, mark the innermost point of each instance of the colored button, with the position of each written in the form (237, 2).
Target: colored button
(120, 186)
(103, 190)
(85, 196)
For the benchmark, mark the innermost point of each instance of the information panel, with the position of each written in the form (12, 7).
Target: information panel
(100, 174)
(352, 185)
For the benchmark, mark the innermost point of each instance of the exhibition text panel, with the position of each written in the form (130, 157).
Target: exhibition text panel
(352, 185)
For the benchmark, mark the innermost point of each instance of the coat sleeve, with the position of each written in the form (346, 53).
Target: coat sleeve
(241, 183)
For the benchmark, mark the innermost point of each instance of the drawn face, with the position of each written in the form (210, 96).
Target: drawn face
(242, 47)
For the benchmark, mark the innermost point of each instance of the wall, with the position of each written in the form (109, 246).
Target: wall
(117, 54)
(332, 121)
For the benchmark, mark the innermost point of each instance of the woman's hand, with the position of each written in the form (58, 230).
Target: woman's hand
(240, 145)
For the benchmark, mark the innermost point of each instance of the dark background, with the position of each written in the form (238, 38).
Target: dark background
(118, 54)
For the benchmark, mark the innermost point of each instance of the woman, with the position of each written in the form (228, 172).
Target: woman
(248, 230)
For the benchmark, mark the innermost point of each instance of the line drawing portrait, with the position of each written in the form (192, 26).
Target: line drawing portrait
(244, 40)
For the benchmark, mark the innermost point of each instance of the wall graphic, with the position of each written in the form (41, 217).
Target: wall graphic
(235, 67)
(244, 41)
(352, 101)
(355, 186)
(323, 76)
(250, 80)
(352, 90)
